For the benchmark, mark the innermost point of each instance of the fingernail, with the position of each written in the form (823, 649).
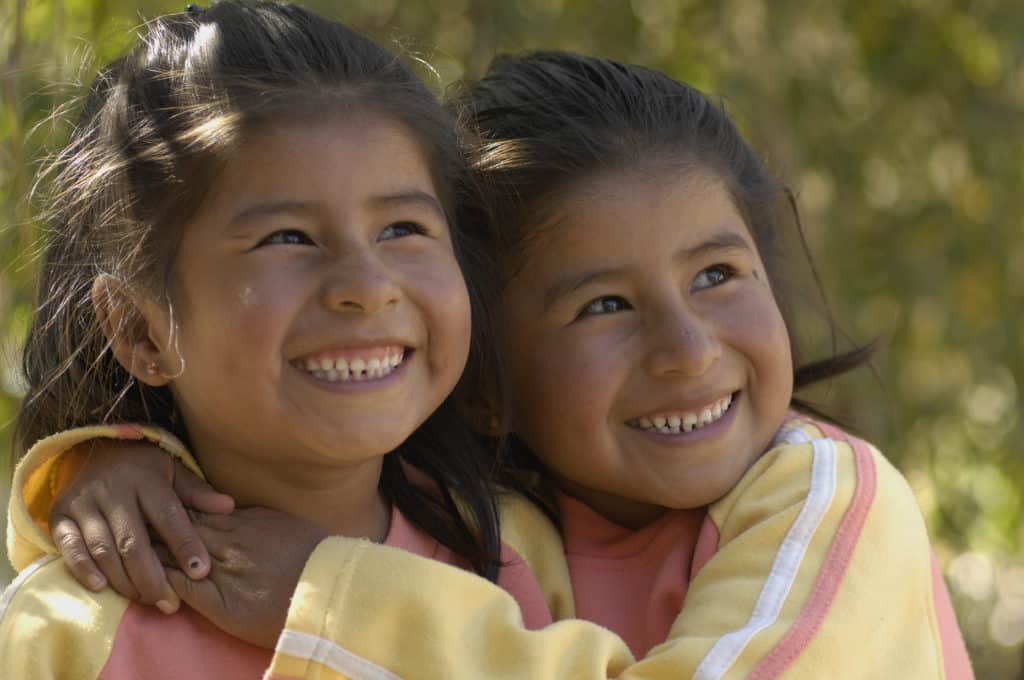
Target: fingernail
(96, 582)
(195, 565)
(166, 607)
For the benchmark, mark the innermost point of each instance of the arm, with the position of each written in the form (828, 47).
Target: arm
(95, 489)
(822, 565)
(824, 562)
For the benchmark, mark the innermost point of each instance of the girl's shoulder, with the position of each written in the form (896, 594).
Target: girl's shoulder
(816, 469)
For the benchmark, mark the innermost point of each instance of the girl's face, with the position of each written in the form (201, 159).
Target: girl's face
(321, 313)
(649, 364)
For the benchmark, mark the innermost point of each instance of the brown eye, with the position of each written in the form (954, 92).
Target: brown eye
(608, 304)
(400, 230)
(713, 276)
(287, 237)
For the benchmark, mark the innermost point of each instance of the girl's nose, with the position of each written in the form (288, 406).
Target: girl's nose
(683, 343)
(360, 284)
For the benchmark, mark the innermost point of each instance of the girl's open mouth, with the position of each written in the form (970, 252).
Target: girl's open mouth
(355, 366)
(680, 422)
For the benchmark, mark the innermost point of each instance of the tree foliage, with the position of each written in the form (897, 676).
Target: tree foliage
(900, 125)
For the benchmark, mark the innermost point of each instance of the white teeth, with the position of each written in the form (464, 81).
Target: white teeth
(355, 370)
(686, 422)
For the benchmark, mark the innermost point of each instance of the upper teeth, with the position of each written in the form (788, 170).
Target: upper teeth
(355, 369)
(674, 423)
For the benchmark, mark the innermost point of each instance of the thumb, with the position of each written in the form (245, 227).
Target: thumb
(198, 495)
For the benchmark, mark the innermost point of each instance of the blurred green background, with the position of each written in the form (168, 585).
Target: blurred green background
(900, 123)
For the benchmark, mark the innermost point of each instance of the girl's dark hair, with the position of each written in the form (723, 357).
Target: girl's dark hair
(548, 122)
(153, 133)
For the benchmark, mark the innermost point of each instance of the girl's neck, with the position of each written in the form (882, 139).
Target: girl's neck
(624, 512)
(341, 500)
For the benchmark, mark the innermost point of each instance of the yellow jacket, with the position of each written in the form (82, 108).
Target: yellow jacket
(821, 567)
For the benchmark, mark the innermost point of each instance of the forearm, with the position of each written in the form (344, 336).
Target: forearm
(46, 467)
(362, 606)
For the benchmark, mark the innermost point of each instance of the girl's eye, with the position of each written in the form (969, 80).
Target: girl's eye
(400, 230)
(605, 305)
(713, 276)
(287, 237)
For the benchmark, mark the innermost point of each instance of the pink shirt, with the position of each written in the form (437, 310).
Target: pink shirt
(634, 582)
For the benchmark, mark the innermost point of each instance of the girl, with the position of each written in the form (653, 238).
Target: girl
(256, 247)
(650, 371)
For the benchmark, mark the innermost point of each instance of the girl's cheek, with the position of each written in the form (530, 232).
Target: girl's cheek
(248, 298)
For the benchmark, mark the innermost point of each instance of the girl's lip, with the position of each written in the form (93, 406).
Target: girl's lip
(364, 349)
(710, 430)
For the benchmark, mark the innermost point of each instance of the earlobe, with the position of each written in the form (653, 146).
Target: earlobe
(131, 321)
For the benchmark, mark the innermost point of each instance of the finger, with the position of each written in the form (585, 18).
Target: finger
(102, 548)
(139, 560)
(198, 495)
(172, 525)
(165, 556)
(202, 520)
(202, 596)
(68, 539)
(219, 540)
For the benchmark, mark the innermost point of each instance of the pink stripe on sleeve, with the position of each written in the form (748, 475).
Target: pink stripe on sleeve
(954, 651)
(836, 562)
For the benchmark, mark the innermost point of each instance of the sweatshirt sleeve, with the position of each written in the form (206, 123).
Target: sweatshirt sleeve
(52, 629)
(819, 564)
(365, 611)
(47, 467)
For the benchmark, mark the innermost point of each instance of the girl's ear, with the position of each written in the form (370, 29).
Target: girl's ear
(137, 328)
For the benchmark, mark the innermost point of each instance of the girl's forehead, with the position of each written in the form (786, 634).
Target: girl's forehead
(633, 223)
(623, 204)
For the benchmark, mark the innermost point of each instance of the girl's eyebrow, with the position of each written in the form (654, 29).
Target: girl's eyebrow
(398, 198)
(410, 196)
(268, 209)
(726, 239)
(574, 281)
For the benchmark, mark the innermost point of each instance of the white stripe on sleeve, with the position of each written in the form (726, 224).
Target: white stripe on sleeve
(787, 561)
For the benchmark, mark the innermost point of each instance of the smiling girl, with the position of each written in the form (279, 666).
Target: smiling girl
(650, 372)
(256, 245)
